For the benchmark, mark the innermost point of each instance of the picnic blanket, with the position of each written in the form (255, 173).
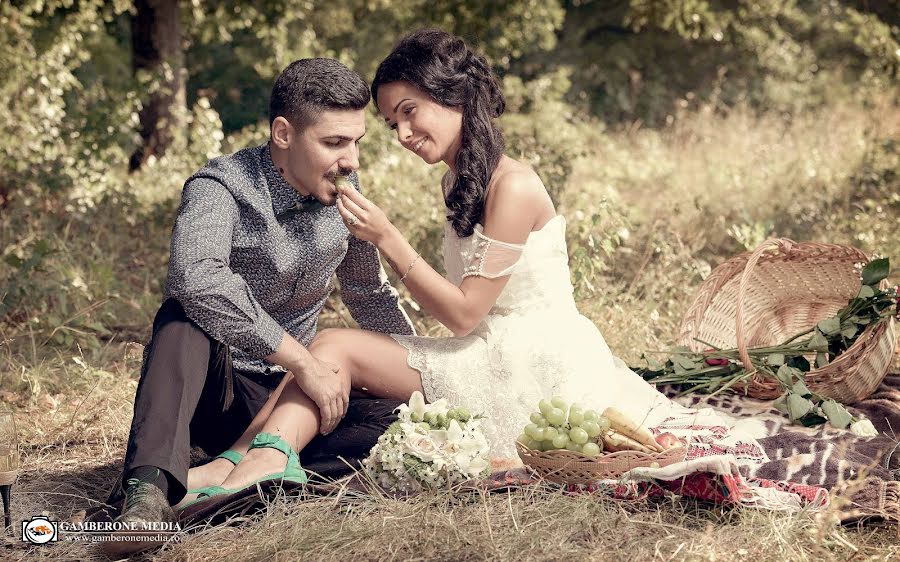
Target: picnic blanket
(803, 464)
(861, 473)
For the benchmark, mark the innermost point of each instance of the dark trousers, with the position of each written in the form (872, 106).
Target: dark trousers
(189, 395)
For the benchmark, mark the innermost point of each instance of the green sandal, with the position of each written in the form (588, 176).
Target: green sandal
(292, 472)
(229, 455)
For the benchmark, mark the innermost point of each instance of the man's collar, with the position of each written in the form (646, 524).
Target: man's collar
(285, 199)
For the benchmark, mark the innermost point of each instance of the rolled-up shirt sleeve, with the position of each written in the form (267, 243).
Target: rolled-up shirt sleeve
(213, 296)
(365, 289)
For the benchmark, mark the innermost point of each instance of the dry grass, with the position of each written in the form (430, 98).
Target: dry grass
(72, 452)
(536, 523)
(696, 192)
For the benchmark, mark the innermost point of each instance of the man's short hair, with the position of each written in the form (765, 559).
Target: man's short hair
(308, 86)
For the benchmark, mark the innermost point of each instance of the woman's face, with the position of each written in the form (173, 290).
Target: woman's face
(424, 126)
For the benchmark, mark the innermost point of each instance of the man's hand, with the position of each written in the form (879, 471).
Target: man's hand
(325, 383)
(329, 388)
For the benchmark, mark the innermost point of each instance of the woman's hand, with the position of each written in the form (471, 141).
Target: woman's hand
(363, 218)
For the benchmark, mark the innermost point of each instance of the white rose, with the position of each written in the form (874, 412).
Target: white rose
(863, 428)
(422, 447)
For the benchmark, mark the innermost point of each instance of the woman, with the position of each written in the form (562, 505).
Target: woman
(508, 296)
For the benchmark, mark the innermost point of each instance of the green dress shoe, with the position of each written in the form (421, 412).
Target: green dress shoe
(292, 472)
(228, 455)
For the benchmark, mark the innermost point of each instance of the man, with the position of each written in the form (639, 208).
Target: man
(254, 248)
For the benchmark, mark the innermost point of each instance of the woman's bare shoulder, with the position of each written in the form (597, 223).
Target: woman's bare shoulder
(517, 186)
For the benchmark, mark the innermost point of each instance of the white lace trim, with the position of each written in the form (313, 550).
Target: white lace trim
(490, 258)
(417, 359)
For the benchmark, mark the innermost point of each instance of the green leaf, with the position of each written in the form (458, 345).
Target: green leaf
(43, 248)
(865, 292)
(14, 260)
(798, 406)
(785, 374)
(875, 271)
(685, 362)
(818, 342)
(800, 363)
(780, 403)
(821, 360)
(800, 388)
(849, 331)
(830, 326)
(810, 420)
(837, 414)
(653, 364)
(776, 359)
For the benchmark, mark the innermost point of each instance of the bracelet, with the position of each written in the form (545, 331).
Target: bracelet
(408, 269)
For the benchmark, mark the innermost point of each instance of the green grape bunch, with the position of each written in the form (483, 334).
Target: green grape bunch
(558, 425)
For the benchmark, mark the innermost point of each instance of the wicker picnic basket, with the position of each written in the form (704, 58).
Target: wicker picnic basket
(764, 298)
(568, 467)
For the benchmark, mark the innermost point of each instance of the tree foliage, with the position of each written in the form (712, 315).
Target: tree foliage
(572, 69)
(638, 59)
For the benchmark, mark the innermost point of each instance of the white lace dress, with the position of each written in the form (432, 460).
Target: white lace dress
(533, 344)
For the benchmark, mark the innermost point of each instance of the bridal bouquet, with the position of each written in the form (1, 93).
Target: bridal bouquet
(429, 446)
(716, 370)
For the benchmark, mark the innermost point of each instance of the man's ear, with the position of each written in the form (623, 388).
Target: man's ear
(282, 133)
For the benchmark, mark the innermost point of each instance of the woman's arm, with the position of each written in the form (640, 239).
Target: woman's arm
(512, 210)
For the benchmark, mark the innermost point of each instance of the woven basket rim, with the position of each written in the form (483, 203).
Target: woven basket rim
(637, 459)
(860, 357)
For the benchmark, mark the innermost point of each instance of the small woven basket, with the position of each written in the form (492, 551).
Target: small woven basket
(761, 299)
(568, 467)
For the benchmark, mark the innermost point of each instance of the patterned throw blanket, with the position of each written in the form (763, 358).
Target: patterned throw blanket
(862, 473)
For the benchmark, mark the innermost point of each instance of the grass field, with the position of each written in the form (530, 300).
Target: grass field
(672, 204)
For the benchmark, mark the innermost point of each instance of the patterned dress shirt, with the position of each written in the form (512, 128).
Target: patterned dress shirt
(252, 259)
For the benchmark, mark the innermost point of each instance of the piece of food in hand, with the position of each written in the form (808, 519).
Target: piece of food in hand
(668, 441)
(342, 182)
(615, 441)
(625, 426)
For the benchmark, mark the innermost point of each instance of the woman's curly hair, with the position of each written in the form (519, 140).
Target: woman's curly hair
(441, 65)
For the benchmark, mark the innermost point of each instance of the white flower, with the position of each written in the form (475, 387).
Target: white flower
(412, 455)
(863, 428)
(422, 447)
(478, 466)
(408, 428)
(440, 407)
(415, 411)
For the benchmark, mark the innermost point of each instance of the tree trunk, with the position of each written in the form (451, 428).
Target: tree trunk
(156, 48)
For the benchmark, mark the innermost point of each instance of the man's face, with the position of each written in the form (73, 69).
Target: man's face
(325, 149)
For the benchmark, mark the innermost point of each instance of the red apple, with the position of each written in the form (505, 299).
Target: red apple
(668, 441)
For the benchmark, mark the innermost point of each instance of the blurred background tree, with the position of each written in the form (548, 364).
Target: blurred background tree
(669, 132)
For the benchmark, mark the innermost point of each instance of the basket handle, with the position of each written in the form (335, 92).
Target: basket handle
(783, 244)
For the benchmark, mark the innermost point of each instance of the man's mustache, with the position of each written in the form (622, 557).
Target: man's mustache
(342, 172)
